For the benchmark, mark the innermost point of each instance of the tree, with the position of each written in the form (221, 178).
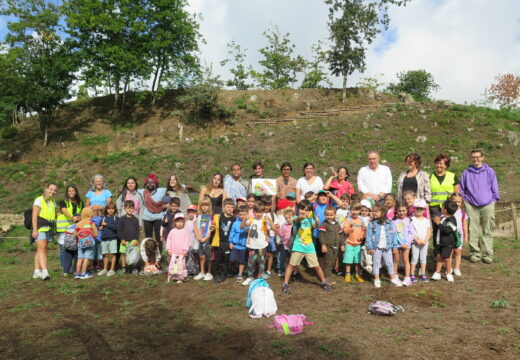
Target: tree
(316, 73)
(280, 66)
(418, 83)
(239, 71)
(505, 91)
(45, 63)
(354, 24)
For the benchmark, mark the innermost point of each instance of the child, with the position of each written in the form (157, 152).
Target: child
(319, 216)
(220, 241)
(192, 262)
(330, 240)
(238, 241)
(284, 246)
(271, 248)
(109, 239)
(257, 241)
(462, 228)
(177, 246)
(446, 239)
(366, 211)
(404, 231)
(167, 222)
(311, 196)
(202, 230)
(303, 248)
(151, 257)
(344, 209)
(380, 242)
(251, 200)
(354, 229)
(86, 232)
(128, 232)
(409, 198)
(422, 230)
(390, 206)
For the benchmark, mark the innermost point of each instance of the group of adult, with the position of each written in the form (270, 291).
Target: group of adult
(477, 185)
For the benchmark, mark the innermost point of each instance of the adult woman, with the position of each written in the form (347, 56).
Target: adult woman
(308, 182)
(43, 217)
(338, 182)
(176, 189)
(153, 208)
(442, 183)
(98, 196)
(70, 209)
(129, 192)
(216, 193)
(285, 183)
(414, 179)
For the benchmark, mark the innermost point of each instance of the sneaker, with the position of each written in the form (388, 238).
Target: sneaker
(199, 276)
(377, 283)
(267, 275)
(436, 276)
(45, 275)
(359, 279)
(37, 274)
(396, 282)
(239, 279)
(111, 273)
(247, 281)
(78, 276)
(121, 271)
(348, 278)
(424, 278)
(457, 272)
(208, 277)
(474, 259)
(326, 286)
(86, 275)
(102, 272)
(413, 278)
(487, 260)
(450, 278)
(407, 281)
(286, 289)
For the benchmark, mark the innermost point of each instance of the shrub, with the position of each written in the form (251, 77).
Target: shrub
(9, 132)
(418, 83)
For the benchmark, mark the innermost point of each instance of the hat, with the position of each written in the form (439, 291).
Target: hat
(419, 203)
(241, 199)
(178, 216)
(192, 207)
(322, 192)
(152, 176)
(366, 204)
(291, 194)
(283, 204)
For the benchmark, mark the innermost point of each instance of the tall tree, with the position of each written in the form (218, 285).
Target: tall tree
(45, 63)
(353, 25)
(239, 71)
(316, 73)
(279, 66)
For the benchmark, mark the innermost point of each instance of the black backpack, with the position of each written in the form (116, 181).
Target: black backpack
(27, 219)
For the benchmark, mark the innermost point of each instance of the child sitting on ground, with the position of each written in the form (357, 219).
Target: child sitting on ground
(446, 239)
(177, 246)
(354, 229)
(151, 257)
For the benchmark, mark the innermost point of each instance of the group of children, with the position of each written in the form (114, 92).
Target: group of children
(249, 239)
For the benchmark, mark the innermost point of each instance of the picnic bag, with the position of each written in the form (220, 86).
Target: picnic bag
(290, 324)
(85, 238)
(132, 255)
(263, 303)
(384, 308)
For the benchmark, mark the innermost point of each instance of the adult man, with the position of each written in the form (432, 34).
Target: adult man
(234, 185)
(479, 189)
(374, 180)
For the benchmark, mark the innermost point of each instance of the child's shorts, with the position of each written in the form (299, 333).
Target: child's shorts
(271, 247)
(109, 246)
(204, 249)
(297, 257)
(352, 254)
(122, 248)
(87, 253)
(445, 251)
(238, 256)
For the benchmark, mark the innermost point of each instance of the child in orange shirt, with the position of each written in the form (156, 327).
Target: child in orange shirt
(355, 229)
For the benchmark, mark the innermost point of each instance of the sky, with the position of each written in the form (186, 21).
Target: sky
(463, 43)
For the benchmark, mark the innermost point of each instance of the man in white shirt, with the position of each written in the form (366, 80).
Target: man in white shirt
(234, 185)
(374, 180)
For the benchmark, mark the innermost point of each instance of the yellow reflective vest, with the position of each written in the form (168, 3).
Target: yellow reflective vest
(441, 192)
(63, 221)
(48, 212)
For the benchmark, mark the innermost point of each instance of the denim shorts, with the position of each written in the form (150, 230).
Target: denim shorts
(86, 253)
(45, 235)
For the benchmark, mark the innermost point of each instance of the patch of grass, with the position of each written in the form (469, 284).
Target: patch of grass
(503, 330)
(24, 307)
(73, 288)
(231, 303)
(61, 332)
(282, 347)
(96, 140)
(502, 303)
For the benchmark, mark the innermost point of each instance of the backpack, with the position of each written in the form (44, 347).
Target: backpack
(366, 260)
(263, 303)
(27, 219)
(85, 238)
(384, 308)
(290, 324)
(70, 242)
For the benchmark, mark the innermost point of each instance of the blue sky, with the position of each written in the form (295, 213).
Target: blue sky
(464, 44)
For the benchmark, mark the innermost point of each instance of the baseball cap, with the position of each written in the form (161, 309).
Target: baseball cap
(366, 204)
(322, 192)
(192, 207)
(178, 216)
(241, 199)
(283, 204)
(419, 203)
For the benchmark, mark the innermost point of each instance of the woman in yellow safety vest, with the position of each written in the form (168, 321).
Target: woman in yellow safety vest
(43, 218)
(70, 210)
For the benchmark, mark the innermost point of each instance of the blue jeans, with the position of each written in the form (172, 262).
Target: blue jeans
(281, 253)
(66, 259)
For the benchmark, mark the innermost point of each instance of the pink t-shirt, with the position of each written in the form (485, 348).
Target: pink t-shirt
(345, 187)
(131, 197)
(285, 234)
(178, 241)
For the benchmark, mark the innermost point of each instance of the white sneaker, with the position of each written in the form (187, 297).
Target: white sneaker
(450, 278)
(199, 276)
(436, 276)
(208, 277)
(377, 283)
(247, 281)
(37, 274)
(111, 273)
(45, 275)
(102, 272)
(396, 282)
(457, 272)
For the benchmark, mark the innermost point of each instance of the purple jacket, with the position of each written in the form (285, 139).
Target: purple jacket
(479, 186)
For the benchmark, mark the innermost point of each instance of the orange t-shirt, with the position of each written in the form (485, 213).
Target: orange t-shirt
(355, 230)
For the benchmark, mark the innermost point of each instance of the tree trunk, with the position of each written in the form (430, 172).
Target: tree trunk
(344, 88)
(116, 96)
(124, 96)
(155, 76)
(45, 135)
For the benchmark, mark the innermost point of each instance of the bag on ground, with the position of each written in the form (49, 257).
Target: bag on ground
(384, 308)
(262, 303)
(290, 324)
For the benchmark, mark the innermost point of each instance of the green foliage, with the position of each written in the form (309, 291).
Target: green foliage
(418, 83)
(279, 66)
(238, 70)
(95, 140)
(501, 303)
(316, 73)
(8, 132)
(371, 82)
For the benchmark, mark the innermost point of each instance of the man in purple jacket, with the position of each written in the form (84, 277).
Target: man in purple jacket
(479, 189)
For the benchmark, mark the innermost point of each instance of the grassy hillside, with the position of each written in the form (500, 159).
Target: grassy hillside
(90, 139)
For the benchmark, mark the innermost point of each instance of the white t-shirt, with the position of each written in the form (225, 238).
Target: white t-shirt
(382, 239)
(38, 202)
(342, 215)
(420, 227)
(275, 222)
(256, 238)
(375, 181)
(304, 187)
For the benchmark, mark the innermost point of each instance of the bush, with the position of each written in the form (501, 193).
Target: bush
(201, 104)
(418, 83)
(8, 132)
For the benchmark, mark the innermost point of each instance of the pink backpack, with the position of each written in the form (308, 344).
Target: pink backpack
(290, 324)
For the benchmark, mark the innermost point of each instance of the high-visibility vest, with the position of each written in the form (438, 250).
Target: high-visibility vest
(63, 221)
(48, 212)
(441, 192)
